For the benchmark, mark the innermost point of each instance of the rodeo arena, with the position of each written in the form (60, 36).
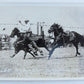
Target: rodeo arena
(45, 51)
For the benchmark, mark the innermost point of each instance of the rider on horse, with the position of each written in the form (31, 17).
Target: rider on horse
(27, 41)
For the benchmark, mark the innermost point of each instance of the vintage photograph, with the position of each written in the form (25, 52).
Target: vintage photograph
(41, 41)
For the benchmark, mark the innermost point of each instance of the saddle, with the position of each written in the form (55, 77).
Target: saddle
(71, 35)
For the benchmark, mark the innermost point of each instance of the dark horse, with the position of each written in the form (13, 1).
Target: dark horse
(61, 37)
(40, 42)
(23, 40)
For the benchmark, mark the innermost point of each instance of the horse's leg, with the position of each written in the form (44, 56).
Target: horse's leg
(33, 49)
(25, 55)
(51, 51)
(76, 46)
(32, 54)
(14, 55)
(34, 44)
(77, 50)
(46, 48)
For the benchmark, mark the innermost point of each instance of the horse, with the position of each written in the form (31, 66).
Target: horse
(40, 42)
(27, 41)
(23, 47)
(61, 37)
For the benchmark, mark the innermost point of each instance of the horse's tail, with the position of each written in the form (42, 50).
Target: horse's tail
(81, 40)
(79, 37)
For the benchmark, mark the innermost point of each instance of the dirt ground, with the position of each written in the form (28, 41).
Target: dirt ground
(63, 64)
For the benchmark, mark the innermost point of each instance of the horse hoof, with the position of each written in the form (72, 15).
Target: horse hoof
(78, 53)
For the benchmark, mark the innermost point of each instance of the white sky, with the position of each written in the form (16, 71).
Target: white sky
(66, 16)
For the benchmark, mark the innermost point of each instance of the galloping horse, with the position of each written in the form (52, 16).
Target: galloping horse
(61, 37)
(40, 42)
(28, 43)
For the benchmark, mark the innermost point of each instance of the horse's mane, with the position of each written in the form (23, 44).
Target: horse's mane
(59, 27)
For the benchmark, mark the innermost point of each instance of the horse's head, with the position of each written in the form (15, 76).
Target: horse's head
(53, 28)
(14, 32)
